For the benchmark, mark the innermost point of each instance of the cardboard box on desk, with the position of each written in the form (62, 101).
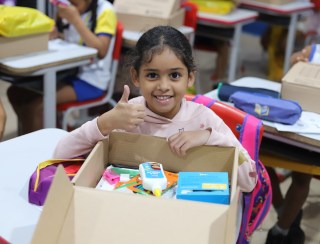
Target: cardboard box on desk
(141, 23)
(302, 84)
(156, 8)
(149, 13)
(82, 214)
(15, 46)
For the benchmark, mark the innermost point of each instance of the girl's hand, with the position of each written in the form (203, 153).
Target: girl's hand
(70, 13)
(89, 38)
(303, 55)
(123, 116)
(181, 142)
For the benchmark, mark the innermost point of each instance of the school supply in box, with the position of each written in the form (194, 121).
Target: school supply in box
(248, 129)
(40, 181)
(267, 108)
(119, 178)
(111, 177)
(225, 90)
(114, 176)
(212, 187)
(136, 185)
(153, 178)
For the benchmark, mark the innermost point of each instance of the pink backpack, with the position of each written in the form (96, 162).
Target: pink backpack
(248, 129)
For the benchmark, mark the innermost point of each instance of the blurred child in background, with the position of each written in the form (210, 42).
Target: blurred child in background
(90, 23)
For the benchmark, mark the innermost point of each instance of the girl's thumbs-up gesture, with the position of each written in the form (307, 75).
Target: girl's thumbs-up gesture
(123, 116)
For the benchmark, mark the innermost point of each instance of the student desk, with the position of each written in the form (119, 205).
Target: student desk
(219, 26)
(60, 56)
(301, 147)
(275, 13)
(19, 158)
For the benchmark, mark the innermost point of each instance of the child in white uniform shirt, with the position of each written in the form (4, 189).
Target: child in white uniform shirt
(85, 22)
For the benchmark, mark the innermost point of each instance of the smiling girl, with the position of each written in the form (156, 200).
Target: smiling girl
(162, 67)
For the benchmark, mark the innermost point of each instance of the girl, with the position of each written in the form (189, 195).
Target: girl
(85, 22)
(162, 67)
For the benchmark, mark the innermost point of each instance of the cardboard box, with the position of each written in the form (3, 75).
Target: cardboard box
(204, 187)
(141, 23)
(302, 84)
(81, 214)
(15, 46)
(152, 8)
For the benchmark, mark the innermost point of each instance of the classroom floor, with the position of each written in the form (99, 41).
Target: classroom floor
(252, 62)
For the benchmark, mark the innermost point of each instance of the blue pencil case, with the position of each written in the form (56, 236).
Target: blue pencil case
(267, 108)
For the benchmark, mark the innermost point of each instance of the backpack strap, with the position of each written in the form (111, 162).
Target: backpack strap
(207, 101)
(249, 137)
(256, 204)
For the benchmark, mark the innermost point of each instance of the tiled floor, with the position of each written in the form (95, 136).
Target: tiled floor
(252, 63)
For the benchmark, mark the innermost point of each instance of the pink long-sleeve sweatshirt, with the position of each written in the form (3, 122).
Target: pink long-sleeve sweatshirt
(192, 116)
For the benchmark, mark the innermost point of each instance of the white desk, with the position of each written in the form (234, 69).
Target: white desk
(48, 63)
(235, 20)
(306, 141)
(291, 10)
(19, 158)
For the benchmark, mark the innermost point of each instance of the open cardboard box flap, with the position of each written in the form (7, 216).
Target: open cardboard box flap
(82, 214)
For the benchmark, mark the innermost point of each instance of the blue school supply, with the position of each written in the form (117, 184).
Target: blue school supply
(212, 187)
(267, 108)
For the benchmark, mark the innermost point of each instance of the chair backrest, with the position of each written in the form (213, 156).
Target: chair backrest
(249, 131)
(231, 116)
(115, 61)
(190, 18)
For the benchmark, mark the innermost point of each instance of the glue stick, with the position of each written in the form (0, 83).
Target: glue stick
(153, 177)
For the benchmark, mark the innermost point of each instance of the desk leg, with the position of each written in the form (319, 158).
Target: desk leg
(234, 53)
(290, 41)
(41, 6)
(49, 106)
